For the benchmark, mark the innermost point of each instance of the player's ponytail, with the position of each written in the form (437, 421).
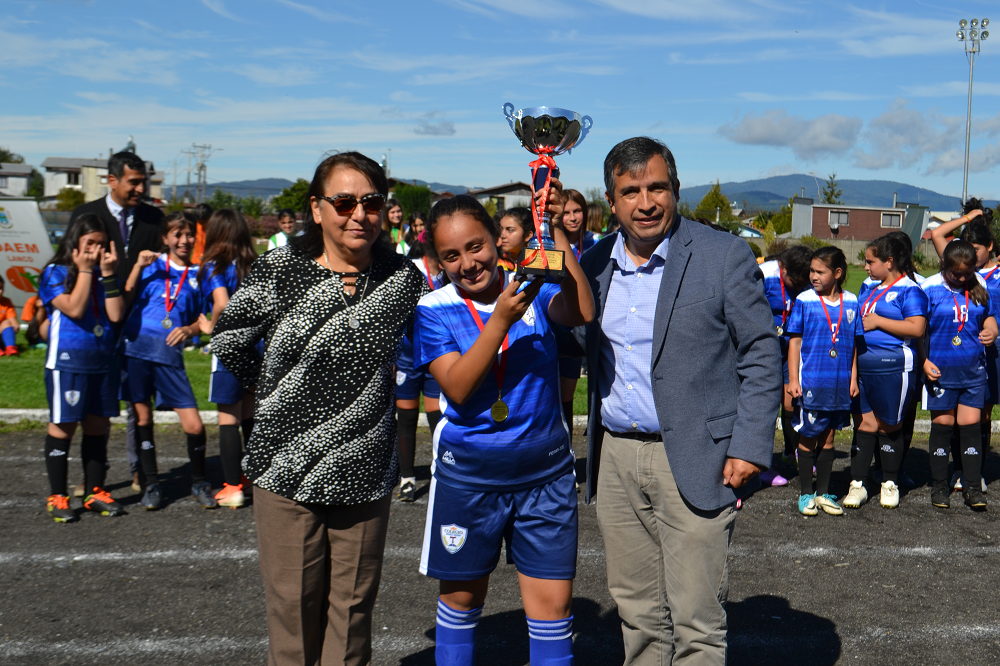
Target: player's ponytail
(834, 259)
(961, 253)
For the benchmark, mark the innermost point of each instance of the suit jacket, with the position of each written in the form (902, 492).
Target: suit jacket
(147, 232)
(716, 362)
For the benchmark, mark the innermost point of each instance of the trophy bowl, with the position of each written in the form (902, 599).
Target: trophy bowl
(546, 129)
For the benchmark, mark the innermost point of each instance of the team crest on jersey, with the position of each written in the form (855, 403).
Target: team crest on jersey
(812, 418)
(453, 537)
(529, 316)
(809, 395)
(448, 458)
(850, 316)
(938, 391)
(64, 356)
(891, 296)
(400, 378)
(72, 397)
(193, 281)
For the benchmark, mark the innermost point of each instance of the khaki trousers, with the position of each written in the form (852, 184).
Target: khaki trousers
(666, 560)
(321, 567)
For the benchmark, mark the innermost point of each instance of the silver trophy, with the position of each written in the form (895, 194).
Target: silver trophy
(546, 132)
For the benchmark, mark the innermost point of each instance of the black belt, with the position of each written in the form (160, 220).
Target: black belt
(641, 436)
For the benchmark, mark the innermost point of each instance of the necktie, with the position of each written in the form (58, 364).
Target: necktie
(123, 225)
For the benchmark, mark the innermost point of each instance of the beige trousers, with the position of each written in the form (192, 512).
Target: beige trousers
(321, 567)
(666, 560)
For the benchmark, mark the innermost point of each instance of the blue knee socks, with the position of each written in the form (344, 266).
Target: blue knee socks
(551, 642)
(456, 636)
(8, 335)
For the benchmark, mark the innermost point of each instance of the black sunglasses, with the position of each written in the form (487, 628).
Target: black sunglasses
(345, 204)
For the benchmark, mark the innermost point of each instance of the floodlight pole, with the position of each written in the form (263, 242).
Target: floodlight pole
(971, 55)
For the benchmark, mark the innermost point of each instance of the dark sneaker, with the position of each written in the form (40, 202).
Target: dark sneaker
(939, 495)
(202, 491)
(974, 499)
(152, 498)
(101, 502)
(407, 491)
(58, 508)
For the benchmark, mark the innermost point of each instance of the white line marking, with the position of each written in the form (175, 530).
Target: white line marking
(40, 458)
(189, 646)
(176, 556)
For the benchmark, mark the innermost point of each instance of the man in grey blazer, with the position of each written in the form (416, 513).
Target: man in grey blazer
(683, 394)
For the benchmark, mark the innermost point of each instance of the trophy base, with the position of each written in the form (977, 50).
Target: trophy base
(536, 269)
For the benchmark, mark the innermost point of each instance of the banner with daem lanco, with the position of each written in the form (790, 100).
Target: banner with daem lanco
(24, 248)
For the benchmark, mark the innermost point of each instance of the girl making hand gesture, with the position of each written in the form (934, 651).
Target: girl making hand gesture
(503, 459)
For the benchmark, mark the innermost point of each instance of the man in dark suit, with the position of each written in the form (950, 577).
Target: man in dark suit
(133, 226)
(683, 397)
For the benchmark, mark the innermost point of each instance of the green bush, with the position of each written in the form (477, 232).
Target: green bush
(757, 252)
(813, 243)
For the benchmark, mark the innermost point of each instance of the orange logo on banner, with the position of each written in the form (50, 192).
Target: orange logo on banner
(24, 278)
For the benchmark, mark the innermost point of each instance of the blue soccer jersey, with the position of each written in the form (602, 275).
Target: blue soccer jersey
(471, 450)
(825, 380)
(588, 239)
(882, 353)
(433, 281)
(74, 345)
(991, 276)
(962, 365)
(145, 335)
(778, 296)
(227, 278)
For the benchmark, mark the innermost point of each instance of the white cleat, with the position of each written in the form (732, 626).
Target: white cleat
(856, 496)
(890, 495)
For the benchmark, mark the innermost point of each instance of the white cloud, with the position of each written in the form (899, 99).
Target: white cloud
(715, 10)
(831, 134)
(953, 159)
(529, 8)
(290, 75)
(405, 97)
(316, 13)
(219, 8)
(904, 136)
(439, 69)
(440, 128)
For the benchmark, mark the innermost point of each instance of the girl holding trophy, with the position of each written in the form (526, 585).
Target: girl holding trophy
(503, 466)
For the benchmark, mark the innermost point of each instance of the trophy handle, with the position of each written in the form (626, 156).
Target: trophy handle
(586, 123)
(508, 111)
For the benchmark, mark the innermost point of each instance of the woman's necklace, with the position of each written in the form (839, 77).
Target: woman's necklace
(352, 321)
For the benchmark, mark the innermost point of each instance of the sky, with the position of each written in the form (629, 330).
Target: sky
(738, 89)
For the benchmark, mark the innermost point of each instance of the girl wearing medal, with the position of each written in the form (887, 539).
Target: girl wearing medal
(823, 374)
(580, 240)
(410, 383)
(503, 465)
(225, 264)
(80, 292)
(961, 323)
(516, 228)
(163, 293)
(893, 314)
(784, 278)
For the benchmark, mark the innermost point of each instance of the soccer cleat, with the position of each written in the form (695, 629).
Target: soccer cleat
(11, 350)
(79, 490)
(829, 505)
(231, 496)
(101, 502)
(202, 491)
(974, 499)
(956, 481)
(939, 495)
(152, 498)
(407, 491)
(771, 478)
(807, 505)
(58, 508)
(889, 497)
(856, 496)
(790, 460)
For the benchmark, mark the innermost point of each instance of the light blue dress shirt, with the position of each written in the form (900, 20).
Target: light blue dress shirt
(627, 341)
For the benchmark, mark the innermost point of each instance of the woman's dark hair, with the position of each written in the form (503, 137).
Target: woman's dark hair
(892, 246)
(310, 242)
(977, 204)
(2, 283)
(389, 205)
(961, 253)
(286, 212)
(796, 260)
(202, 212)
(227, 241)
(522, 216)
(595, 218)
(463, 203)
(834, 258)
(978, 233)
(88, 223)
(411, 236)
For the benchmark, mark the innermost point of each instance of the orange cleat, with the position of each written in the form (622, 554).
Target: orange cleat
(11, 350)
(101, 502)
(58, 508)
(231, 496)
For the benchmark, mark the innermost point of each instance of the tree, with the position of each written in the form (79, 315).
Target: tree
(412, 198)
(252, 206)
(596, 195)
(36, 186)
(782, 220)
(295, 196)
(69, 198)
(715, 202)
(222, 199)
(684, 208)
(10, 157)
(831, 193)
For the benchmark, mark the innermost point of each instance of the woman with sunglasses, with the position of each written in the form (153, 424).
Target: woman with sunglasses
(332, 306)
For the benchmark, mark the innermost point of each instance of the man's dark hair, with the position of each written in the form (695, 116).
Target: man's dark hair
(632, 155)
(118, 162)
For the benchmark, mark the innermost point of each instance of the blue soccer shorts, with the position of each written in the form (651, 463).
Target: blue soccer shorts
(223, 387)
(143, 379)
(466, 528)
(570, 368)
(812, 423)
(73, 395)
(887, 396)
(409, 382)
(937, 398)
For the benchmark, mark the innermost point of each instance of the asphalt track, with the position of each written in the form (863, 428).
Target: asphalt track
(181, 586)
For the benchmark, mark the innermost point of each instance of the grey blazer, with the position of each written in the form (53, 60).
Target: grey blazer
(716, 361)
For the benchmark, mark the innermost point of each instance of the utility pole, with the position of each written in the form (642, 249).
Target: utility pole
(972, 40)
(173, 193)
(204, 153)
(187, 192)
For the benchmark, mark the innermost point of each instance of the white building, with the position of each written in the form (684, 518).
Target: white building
(90, 176)
(14, 179)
